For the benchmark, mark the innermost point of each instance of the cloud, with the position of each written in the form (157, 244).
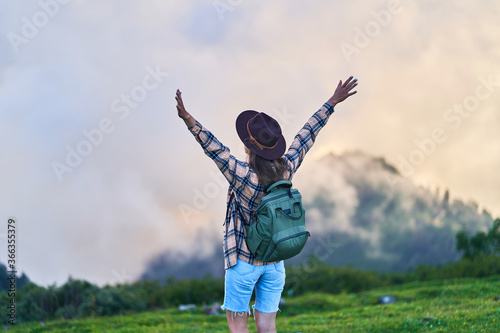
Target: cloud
(121, 204)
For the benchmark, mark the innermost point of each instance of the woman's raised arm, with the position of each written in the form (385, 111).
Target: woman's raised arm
(306, 137)
(232, 169)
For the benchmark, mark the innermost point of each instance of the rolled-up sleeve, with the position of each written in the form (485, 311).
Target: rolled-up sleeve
(306, 137)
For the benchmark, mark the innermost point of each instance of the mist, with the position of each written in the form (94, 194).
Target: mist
(102, 176)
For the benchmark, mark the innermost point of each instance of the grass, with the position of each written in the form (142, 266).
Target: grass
(460, 305)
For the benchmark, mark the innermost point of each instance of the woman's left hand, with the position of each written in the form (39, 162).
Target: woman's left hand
(343, 91)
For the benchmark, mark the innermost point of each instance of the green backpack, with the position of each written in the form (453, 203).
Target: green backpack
(279, 231)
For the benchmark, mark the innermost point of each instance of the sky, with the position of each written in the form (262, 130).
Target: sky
(100, 174)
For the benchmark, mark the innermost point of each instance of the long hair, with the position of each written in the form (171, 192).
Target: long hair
(268, 171)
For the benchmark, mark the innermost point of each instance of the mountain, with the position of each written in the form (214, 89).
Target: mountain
(361, 212)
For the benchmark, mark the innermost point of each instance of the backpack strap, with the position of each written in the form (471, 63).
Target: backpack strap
(238, 210)
(227, 208)
(285, 183)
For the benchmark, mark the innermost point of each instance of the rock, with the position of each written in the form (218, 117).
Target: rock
(387, 299)
(282, 302)
(213, 310)
(185, 307)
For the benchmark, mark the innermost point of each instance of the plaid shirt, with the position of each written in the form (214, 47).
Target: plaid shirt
(244, 191)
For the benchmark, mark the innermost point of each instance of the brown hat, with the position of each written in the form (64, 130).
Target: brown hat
(261, 134)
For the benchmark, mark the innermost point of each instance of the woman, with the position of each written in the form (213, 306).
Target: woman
(266, 164)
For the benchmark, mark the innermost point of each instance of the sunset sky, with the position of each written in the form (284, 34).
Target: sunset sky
(98, 169)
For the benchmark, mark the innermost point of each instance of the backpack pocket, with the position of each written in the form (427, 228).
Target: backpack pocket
(288, 243)
(257, 243)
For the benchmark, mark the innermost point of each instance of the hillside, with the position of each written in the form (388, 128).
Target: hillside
(360, 212)
(461, 305)
(374, 218)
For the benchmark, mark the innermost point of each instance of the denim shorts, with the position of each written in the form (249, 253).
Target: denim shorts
(240, 281)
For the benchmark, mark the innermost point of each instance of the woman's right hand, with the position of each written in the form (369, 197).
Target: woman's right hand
(181, 111)
(343, 91)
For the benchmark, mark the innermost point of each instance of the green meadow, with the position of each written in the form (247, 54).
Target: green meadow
(455, 305)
